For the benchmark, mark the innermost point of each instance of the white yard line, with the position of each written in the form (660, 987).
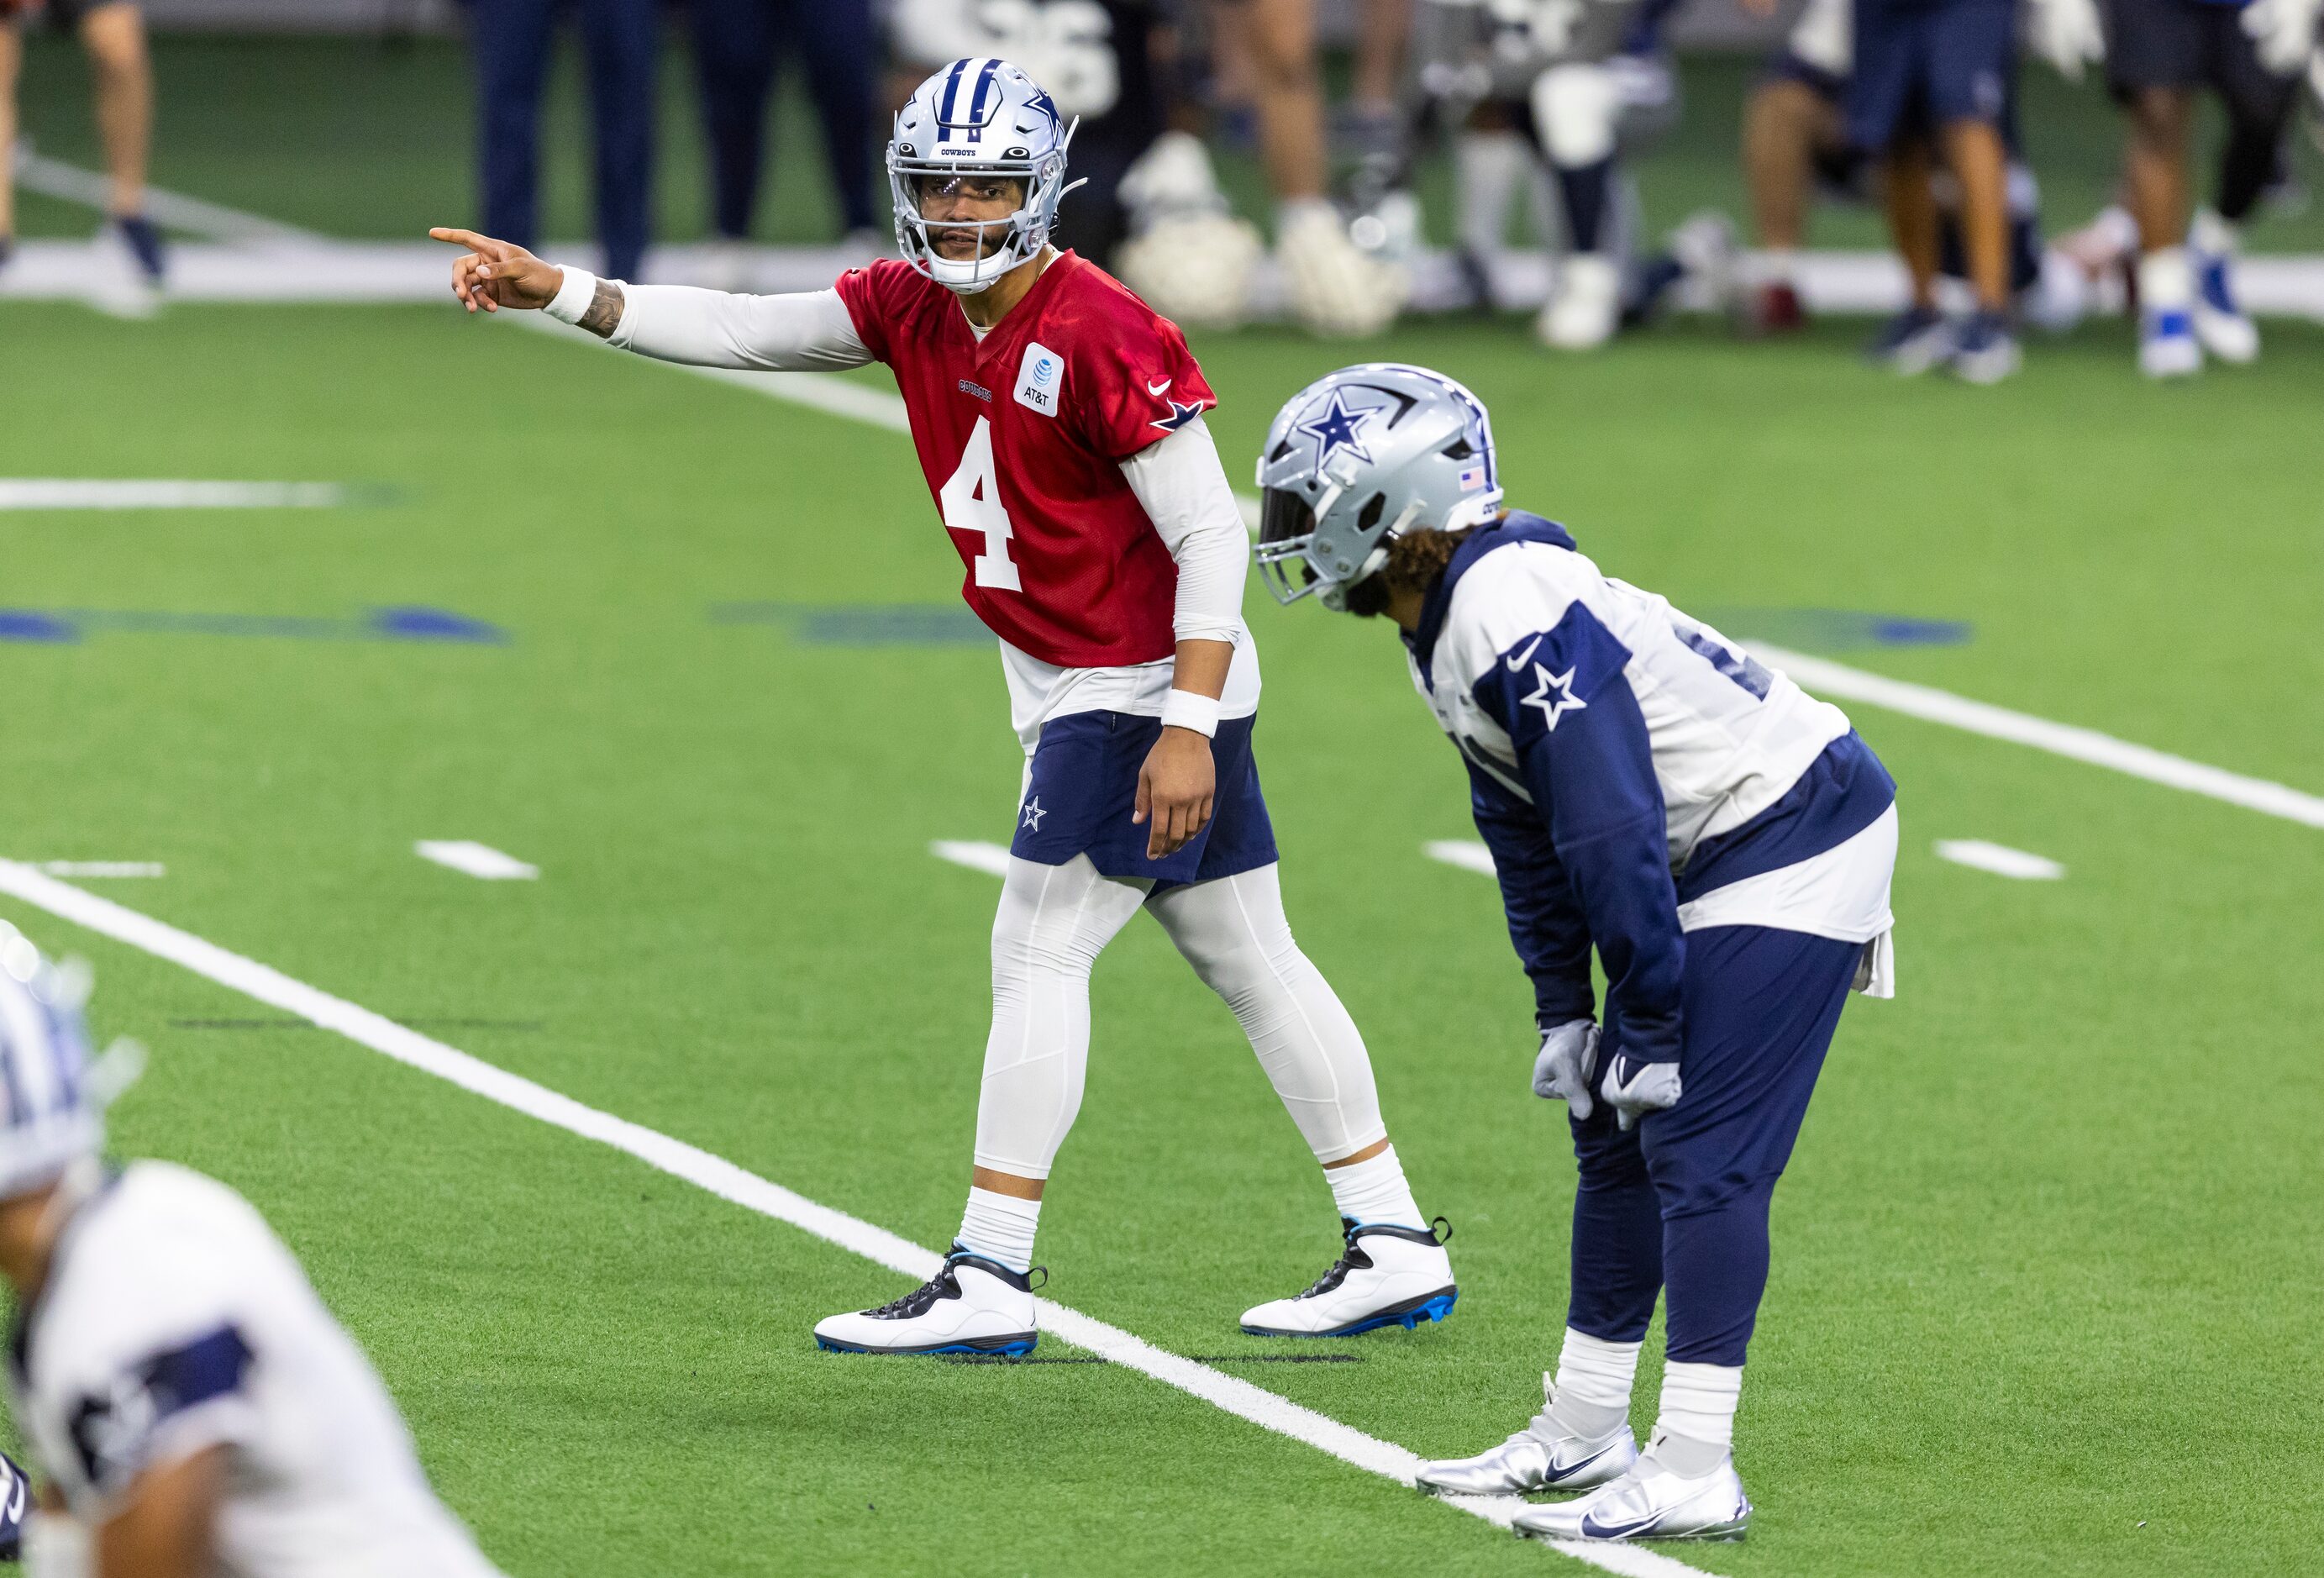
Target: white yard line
(1999, 859)
(104, 868)
(61, 493)
(1465, 853)
(70, 183)
(1942, 707)
(719, 1177)
(475, 860)
(992, 859)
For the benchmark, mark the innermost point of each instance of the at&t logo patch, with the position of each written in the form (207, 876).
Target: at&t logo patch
(1040, 377)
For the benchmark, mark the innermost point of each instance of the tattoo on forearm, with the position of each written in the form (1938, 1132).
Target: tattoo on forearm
(605, 313)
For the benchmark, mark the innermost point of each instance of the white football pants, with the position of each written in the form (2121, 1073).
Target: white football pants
(1053, 923)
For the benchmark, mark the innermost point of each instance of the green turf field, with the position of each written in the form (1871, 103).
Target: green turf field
(2047, 1265)
(250, 122)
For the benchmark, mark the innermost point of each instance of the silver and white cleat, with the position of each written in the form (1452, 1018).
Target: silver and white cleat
(1648, 1502)
(1543, 1456)
(971, 1306)
(1385, 1276)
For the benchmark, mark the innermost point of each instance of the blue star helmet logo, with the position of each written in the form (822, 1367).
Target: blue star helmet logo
(1336, 428)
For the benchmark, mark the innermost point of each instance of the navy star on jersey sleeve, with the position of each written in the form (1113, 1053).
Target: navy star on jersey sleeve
(1581, 743)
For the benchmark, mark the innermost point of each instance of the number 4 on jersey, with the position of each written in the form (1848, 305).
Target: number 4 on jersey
(972, 502)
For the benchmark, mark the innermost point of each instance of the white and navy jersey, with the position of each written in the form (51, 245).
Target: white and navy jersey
(1636, 776)
(173, 1320)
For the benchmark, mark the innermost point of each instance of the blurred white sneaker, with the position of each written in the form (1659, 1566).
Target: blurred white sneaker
(2220, 322)
(1385, 1276)
(971, 1306)
(1648, 1502)
(1543, 1456)
(1584, 307)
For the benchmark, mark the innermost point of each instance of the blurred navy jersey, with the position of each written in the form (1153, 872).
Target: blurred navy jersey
(1921, 65)
(1096, 59)
(1636, 776)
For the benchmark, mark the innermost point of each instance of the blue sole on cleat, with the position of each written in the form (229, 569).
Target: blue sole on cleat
(1014, 1348)
(1436, 1307)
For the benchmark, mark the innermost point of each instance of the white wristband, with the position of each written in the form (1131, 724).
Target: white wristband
(1182, 709)
(573, 297)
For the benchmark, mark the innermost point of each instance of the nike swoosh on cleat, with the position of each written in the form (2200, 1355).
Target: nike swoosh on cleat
(1158, 390)
(1593, 1530)
(1564, 1474)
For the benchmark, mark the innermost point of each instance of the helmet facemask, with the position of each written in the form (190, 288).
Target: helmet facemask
(937, 147)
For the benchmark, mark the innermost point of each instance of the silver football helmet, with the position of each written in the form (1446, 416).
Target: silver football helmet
(1359, 456)
(984, 115)
(54, 1111)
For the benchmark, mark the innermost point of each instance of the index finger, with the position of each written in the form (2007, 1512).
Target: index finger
(467, 238)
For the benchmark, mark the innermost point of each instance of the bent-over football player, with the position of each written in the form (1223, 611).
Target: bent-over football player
(190, 1404)
(1059, 422)
(1647, 788)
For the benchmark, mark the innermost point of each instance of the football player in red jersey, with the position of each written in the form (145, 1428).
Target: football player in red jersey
(1059, 422)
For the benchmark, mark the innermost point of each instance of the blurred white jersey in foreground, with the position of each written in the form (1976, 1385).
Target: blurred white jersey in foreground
(173, 1321)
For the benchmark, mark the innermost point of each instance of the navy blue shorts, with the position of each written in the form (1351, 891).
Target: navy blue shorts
(1083, 787)
(1921, 67)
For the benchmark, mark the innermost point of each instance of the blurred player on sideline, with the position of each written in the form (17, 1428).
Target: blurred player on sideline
(1646, 788)
(1585, 84)
(113, 32)
(1935, 78)
(1795, 144)
(1060, 426)
(189, 1403)
(1336, 288)
(2251, 53)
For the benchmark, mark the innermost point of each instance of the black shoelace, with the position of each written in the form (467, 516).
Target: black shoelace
(917, 1302)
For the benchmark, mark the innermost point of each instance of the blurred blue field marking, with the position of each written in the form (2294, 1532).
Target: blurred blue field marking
(862, 624)
(404, 623)
(1838, 629)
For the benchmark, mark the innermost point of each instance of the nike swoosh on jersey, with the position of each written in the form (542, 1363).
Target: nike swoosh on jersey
(1519, 662)
(1158, 390)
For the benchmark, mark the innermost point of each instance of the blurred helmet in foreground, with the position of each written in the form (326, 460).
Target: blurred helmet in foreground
(51, 1114)
(980, 117)
(1359, 456)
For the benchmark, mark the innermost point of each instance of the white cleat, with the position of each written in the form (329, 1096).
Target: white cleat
(1648, 1502)
(971, 1306)
(1540, 1457)
(1586, 306)
(1385, 1276)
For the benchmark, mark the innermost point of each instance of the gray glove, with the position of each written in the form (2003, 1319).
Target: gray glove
(1568, 1060)
(1634, 1087)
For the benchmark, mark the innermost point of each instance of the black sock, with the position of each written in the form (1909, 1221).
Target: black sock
(1587, 190)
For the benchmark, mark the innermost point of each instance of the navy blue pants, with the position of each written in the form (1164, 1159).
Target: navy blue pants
(1682, 1200)
(1921, 65)
(737, 46)
(620, 40)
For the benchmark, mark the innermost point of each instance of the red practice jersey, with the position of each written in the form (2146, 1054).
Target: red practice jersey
(1022, 436)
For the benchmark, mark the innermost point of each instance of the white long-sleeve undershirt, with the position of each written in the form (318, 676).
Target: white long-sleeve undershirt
(1179, 480)
(1183, 488)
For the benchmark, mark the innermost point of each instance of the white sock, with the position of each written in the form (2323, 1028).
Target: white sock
(2212, 235)
(1777, 265)
(1591, 1396)
(1487, 167)
(1696, 1430)
(1375, 1191)
(2166, 281)
(1001, 1227)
